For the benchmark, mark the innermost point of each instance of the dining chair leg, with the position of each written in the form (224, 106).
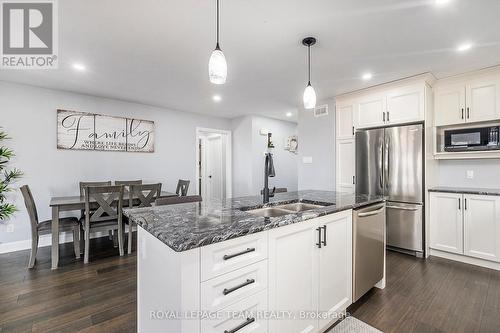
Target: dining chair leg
(87, 245)
(34, 248)
(115, 239)
(120, 238)
(76, 241)
(110, 234)
(82, 238)
(130, 237)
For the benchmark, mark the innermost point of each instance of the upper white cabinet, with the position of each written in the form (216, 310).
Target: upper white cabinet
(405, 105)
(370, 111)
(344, 120)
(450, 104)
(482, 226)
(482, 99)
(468, 99)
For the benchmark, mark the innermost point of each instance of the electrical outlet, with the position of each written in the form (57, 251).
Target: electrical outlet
(470, 174)
(10, 227)
(307, 159)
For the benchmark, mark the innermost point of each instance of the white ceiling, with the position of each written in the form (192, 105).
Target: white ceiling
(156, 51)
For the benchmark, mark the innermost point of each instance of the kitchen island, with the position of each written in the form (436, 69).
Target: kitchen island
(234, 267)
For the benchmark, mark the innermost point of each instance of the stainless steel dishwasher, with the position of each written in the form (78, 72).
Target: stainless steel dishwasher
(368, 248)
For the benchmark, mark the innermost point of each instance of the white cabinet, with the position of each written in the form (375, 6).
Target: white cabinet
(370, 111)
(446, 222)
(405, 105)
(310, 265)
(482, 99)
(335, 266)
(449, 105)
(466, 224)
(344, 120)
(472, 99)
(293, 275)
(482, 226)
(346, 156)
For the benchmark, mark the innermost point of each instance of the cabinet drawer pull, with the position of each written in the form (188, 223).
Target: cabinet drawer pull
(229, 256)
(319, 237)
(324, 235)
(239, 327)
(244, 284)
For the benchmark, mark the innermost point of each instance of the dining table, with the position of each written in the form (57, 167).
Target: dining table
(74, 203)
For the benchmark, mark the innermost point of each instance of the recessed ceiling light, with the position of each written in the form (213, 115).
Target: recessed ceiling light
(217, 98)
(79, 67)
(442, 2)
(289, 114)
(367, 76)
(464, 47)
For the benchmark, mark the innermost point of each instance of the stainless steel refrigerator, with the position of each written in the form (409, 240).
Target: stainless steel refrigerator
(389, 161)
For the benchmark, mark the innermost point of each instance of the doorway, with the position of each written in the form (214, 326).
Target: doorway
(213, 164)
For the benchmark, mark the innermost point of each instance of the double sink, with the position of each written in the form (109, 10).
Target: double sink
(286, 209)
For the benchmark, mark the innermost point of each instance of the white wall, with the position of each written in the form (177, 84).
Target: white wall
(285, 162)
(28, 114)
(248, 157)
(317, 140)
(454, 173)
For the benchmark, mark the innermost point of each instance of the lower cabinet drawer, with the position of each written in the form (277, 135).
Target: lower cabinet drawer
(221, 258)
(243, 317)
(233, 287)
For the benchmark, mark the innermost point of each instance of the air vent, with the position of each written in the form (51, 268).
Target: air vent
(321, 111)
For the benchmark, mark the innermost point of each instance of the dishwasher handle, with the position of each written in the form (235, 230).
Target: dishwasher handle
(371, 213)
(403, 208)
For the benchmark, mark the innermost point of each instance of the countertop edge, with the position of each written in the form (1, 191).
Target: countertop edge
(466, 191)
(253, 231)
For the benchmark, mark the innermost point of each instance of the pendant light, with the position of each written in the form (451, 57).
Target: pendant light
(309, 93)
(217, 66)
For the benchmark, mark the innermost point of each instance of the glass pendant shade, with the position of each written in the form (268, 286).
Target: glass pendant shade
(217, 67)
(309, 97)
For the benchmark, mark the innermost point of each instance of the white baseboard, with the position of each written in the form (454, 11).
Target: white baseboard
(466, 259)
(45, 240)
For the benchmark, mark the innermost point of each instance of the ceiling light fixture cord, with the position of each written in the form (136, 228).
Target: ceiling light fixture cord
(217, 45)
(309, 64)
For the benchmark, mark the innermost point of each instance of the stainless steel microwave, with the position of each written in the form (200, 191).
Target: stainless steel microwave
(481, 138)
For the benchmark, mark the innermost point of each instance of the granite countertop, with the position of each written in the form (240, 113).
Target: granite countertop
(187, 226)
(466, 190)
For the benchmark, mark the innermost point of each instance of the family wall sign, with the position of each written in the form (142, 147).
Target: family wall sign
(90, 131)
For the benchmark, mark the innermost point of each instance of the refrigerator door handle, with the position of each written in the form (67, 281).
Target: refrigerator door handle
(403, 208)
(386, 164)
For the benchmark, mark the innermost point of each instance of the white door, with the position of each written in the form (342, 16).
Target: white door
(406, 105)
(482, 101)
(293, 276)
(482, 226)
(214, 173)
(344, 121)
(370, 111)
(346, 165)
(335, 266)
(446, 222)
(449, 105)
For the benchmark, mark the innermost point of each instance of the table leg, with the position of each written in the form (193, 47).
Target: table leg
(55, 236)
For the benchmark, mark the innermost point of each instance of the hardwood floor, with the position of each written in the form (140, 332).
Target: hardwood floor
(433, 295)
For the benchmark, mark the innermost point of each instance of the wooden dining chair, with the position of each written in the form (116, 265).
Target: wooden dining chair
(182, 187)
(106, 215)
(177, 200)
(82, 186)
(45, 227)
(141, 196)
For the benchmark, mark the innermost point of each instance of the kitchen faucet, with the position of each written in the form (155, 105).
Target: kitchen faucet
(268, 172)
